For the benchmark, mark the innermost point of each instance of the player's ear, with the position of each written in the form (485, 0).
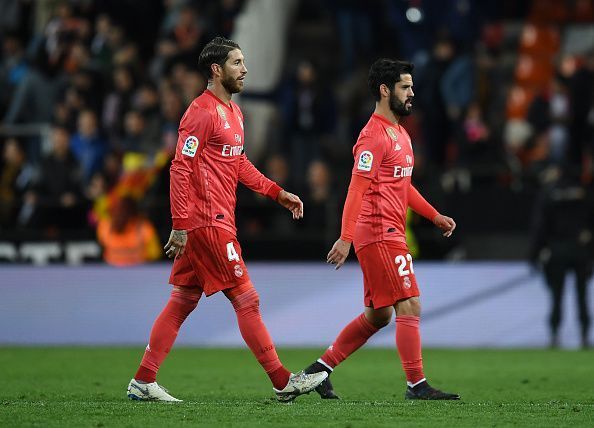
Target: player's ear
(216, 69)
(384, 90)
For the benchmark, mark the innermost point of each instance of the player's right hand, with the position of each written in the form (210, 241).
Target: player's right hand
(339, 253)
(292, 203)
(176, 244)
(446, 224)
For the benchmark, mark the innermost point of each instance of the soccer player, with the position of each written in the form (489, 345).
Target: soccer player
(208, 163)
(374, 219)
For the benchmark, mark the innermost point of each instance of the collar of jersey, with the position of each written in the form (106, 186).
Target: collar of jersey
(383, 119)
(220, 101)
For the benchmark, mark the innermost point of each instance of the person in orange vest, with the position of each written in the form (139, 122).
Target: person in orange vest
(127, 237)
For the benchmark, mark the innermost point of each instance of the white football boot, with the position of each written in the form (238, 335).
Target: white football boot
(148, 392)
(299, 383)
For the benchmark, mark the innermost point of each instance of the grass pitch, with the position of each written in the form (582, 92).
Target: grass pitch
(85, 387)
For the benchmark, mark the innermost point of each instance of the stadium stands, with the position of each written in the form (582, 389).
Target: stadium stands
(119, 88)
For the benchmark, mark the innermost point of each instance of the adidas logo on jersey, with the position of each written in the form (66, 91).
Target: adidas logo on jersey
(397, 147)
(227, 126)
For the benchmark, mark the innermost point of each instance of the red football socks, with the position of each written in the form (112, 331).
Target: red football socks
(408, 342)
(351, 338)
(246, 303)
(181, 303)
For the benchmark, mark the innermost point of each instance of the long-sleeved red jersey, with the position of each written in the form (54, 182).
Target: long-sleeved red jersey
(384, 154)
(209, 161)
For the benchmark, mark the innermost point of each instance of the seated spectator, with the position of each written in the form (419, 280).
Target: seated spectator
(96, 193)
(309, 115)
(320, 202)
(172, 109)
(100, 47)
(189, 31)
(319, 180)
(277, 169)
(135, 136)
(224, 14)
(127, 237)
(476, 155)
(192, 85)
(55, 199)
(118, 101)
(13, 68)
(63, 28)
(87, 144)
(255, 216)
(165, 52)
(549, 114)
(146, 101)
(37, 92)
(15, 176)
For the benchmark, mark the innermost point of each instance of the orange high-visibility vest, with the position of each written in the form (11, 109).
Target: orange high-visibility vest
(138, 243)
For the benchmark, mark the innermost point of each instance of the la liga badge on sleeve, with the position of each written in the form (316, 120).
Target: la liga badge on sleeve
(365, 161)
(190, 146)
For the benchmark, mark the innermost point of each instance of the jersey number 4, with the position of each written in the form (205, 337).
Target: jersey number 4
(231, 253)
(402, 261)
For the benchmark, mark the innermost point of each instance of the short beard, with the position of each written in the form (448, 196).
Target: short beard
(397, 107)
(231, 85)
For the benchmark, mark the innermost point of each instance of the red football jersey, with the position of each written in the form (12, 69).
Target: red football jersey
(209, 161)
(384, 153)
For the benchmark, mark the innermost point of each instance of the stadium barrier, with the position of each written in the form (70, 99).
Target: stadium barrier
(46, 252)
(303, 304)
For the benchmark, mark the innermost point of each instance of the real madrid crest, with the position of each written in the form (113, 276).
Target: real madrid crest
(221, 112)
(392, 133)
(406, 282)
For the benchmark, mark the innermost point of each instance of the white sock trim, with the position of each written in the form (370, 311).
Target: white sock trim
(322, 362)
(412, 385)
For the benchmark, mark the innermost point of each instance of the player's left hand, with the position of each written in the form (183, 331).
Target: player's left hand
(176, 245)
(445, 223)
(292, 203)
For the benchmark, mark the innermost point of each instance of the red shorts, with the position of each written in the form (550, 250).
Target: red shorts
(212, 261)
(388, 274)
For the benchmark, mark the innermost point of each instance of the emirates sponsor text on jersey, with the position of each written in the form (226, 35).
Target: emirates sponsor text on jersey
(403, 171)
(229, 150)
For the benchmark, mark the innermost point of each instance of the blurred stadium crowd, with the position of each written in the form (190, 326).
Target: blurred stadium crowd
(92, 91)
